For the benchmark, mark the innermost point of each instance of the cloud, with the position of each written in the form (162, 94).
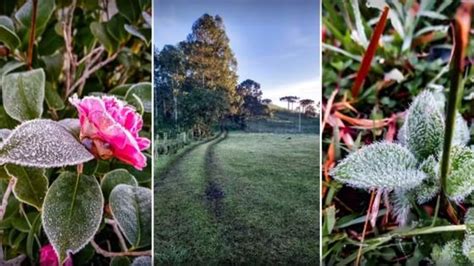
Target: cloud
(308, 89)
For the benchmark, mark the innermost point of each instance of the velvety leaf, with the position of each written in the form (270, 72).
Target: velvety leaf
(7, 33)
(142, 261)
(462, 134)
(143, 92)
(72, 212)
(142, 34)
(130, 9)
(424, 126)
(43, 143)
(400, 200)
(380, 165)
(23, 94)
(460, 181)
(43, 14)
(114, 178)
(430, 187)
(99, 30)
(131, 208)
(31, 184)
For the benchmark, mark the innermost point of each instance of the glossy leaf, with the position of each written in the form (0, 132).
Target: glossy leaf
(99, 30)
(130, 9)
(43, 14)
(114, 178)
(7, 33)
(143, 92)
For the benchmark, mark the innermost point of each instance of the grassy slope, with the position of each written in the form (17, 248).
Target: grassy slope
(269, 208)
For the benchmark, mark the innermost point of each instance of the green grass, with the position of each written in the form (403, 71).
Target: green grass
(251, 198)
(284, 121)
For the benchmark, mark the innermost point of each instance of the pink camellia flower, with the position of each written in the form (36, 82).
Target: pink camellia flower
(109, 128)
(49, 258)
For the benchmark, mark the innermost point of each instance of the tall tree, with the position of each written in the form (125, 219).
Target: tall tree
(210, 60)
(169, 76)
(305, 103)
(250, 95)
(290, 100)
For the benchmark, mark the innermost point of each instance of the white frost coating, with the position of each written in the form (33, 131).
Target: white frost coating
(71, 124)
(42, 143)
(379, 4)
(401, 205)
(461, 131)
(131, 208)
(142, 261)
(4, 133)
(380, 165)
(460, 181)
(114, 178)
(23, 94)
(71, 222)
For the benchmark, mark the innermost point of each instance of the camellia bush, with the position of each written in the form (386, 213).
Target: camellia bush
(75, 126)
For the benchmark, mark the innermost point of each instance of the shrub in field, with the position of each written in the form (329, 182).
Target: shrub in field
(75, 126)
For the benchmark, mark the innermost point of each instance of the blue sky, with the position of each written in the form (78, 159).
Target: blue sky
(276, 42)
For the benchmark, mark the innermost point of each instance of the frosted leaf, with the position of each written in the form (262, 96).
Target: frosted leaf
(131, 208)
(142, 261)
(462, 134)
(402, 135)
(31, 184)
(4, 133)
(114, 178)
(430, 187)
(381, 165)
(460, 179)
(72, 125)
(450, 254)
(72, 212)
(42, 143)
(23, 94)
(468, 243)
(401, 205)
(143, 92)
(424, 126)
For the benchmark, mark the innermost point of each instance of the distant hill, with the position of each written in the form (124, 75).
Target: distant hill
(283, 121)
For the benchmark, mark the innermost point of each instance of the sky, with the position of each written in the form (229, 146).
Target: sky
(276, 42)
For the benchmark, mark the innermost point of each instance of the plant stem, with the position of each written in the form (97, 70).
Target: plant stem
(106, 253)
(364, 231)
(31, 42)
(435, 216)
(461, 27)
(114, 225)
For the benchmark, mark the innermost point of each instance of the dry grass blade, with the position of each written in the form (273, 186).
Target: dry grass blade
(369, 53)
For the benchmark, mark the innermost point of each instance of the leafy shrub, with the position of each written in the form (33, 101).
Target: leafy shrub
(75, 124)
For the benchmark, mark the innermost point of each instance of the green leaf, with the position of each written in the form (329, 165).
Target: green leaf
(143, 34)
(31, 184)
(114, 178)
(143, 92)
(142, 261)
(23, 94)
(131, 208)
(120, 261)
(116, 30)
(329, 219)
(401, 204)
(430, 187)
(72, 212)
(460, 181)
(42, 143)
(130, 9)
(53, 99)
(43, 14)
(450, 254)
(462, 133)
(99, 30)
(468, 243)
(33, 232)
(381, 165)
(7, 33)
(424, 126)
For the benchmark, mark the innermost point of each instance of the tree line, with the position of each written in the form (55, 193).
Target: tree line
(196, 83)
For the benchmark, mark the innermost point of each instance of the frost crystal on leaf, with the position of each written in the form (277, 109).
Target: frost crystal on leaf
(380, 165)
(461, 131)
(460, 180)
(42, 143)
(142, 261)
(401, 204)
(424, 126)
(131, 208)
(430, 187)
(450, 254)
(72, 212)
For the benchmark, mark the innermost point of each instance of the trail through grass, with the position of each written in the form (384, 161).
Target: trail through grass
(245, 198)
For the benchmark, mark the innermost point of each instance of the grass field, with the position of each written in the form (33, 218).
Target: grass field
(241, 198)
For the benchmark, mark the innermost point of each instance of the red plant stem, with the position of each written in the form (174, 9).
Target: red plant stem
(32, 34)
(369, 53)
(364, 231)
